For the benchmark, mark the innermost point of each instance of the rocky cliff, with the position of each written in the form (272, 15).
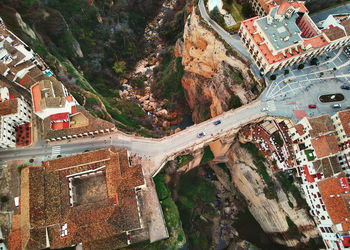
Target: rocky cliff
(215, 80)
(271, 214)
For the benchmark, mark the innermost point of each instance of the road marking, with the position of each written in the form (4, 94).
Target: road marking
(56, 150)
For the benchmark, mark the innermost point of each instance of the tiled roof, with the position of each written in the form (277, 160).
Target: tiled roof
(334, 197)
(93, 124)
(3, 68)
(327, 166)
(334, 33)
(320, 125)
(8, 107)
(94, 223)
(344, 117)
(325, 145)
(300, 129)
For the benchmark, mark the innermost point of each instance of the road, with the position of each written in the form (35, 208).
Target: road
(155, 149)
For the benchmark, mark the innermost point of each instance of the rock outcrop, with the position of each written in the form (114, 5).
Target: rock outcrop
(212, 76)
(270, 214)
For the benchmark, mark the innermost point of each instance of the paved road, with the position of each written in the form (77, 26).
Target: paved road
(324, 14)
(308, 84)
(233, 40)
(155, 149)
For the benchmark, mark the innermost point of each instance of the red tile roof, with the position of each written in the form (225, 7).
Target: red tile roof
(325, 145)
(60, 125)
(69, 98)
(335, 195)
(59, 117)
(8, 107)
(344, 117)
(300, 129)
(308, 176)
(73, 109)
(36, 97)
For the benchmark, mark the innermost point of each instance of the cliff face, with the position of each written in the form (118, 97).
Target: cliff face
(270, 214)
(212, 76)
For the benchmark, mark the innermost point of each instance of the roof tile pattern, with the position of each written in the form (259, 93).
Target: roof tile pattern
(45, 202)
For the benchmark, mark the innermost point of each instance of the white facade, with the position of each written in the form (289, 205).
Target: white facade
(9, 122)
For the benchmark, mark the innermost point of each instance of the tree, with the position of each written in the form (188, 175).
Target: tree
(234, 102)
(247, 10)
(217, 17)
(4, 199)
(301, 66)
(273, 77)
(119, 68)
(286, 72)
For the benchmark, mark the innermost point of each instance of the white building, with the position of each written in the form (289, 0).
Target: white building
(50, 98)
(288, 36)
(13, 112)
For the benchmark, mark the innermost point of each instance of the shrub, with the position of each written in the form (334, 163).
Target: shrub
(234, 102)
(247, 10)
(334, 69)
(4, 199)
(278, 139)
(208, 155)
(273, 77)
(300, 66)
(20, 167)
(286, 72)
(31, 160)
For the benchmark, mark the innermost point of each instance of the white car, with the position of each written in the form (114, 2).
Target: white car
(265, 109)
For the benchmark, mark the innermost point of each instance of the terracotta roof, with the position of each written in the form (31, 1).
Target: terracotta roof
(92, 223)
(9, 107)
(325, 145)
(335, 199)
(320, 125)
(3, 68)
(344, 117)
(327, 166)
(346, 25)
(93, 124)
(334, 33)
(300, 129)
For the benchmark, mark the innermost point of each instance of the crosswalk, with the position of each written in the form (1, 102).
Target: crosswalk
(56, 150)
(271, 105)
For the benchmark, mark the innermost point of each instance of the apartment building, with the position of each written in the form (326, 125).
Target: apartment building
(13, 112)
(322, 161)
(287, 35)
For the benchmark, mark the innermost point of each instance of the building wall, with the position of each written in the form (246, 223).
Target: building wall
(8, 124)
(266, 67)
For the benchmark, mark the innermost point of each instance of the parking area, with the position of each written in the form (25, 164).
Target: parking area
(290, 94)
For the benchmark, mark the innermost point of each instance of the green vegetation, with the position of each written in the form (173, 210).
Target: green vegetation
(286, 72)
(183, 160)
(278, 139)
(195, 196)
(226, 170)
(258, 160)
(301, 66)
(247, 10)
(168, 85)
(208, 155)
(288, 187)
(309, 154)
(234, 102)
(217, 17)
(31, 160)
(273, 77)
(20, 167)
(293, 229)
(171, 216)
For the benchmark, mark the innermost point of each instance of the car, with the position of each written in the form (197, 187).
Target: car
(345, 87)
(312, 106)
(201, 134)
(217, 122)
(336, 106)
(265, 109)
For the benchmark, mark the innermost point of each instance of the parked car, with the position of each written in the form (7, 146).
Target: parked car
(201, 134)
(345, 87)
(265, 109)
(217, 122)
(312, 106)
(336, 105)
